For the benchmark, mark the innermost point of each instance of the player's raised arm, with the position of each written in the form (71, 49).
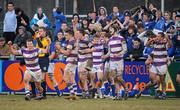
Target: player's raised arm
(13, 51)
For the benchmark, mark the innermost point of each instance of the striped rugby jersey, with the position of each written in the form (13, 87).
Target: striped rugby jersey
(73, 57)
(159, 54)
(82, 45)
(115, 46)
(97, 54)
(31, 58)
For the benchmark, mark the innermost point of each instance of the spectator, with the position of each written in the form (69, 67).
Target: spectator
(152, 12)
(168, 22)
(4, 48)
(160, 23)
(10, 23)
(40, 19)
(59, 19)
(177, 23)
(23, 35)
(93, 17)
(127, 17)
(117, 14)
(174, 13)
(85, 24)
(137, 50)
(63, 43)
(64, 27)
(148, 25)
(102, 16)
(76, 22)
(131, 35)
(22, 20)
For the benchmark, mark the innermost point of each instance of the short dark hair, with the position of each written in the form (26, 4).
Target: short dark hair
(162, 34)
(29, 40)
(76, 14)
(81, 31)
(10, 3)
(70, 31)
(42, 28)
(97, 35)
(139, 25)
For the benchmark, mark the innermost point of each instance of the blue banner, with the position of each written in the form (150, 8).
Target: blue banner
(136, 73)
(12, 73)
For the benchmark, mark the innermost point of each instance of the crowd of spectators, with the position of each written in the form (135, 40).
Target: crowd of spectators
(134, 25)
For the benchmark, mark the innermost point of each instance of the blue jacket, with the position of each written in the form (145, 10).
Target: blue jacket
(168, 25)
(59, 19)
(147, 51)
(160, 24)
(129, 41)
(119, 15)
(149, 25)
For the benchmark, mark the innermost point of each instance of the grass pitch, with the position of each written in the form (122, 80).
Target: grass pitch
(17, 102)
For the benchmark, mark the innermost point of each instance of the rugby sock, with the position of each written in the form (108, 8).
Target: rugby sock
(74, 86)
(27, 92)
(43, 84)
(156, 87)
(33, 87)
(107, 88)
(113, 90)
(57, 90)
(71, 89)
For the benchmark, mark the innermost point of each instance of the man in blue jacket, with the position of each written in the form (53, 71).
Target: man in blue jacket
(59, 19)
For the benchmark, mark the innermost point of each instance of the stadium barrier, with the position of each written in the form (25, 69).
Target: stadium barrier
(11, 77)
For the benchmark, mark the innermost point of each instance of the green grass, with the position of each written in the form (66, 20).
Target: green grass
(17, 102)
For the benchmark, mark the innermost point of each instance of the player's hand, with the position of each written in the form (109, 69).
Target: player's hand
(23, 21)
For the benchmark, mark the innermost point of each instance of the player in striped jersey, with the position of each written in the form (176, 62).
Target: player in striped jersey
(97, 64)
(33, 71)
(117, 49)
(84, 60)
(159, 65)
(70, 69)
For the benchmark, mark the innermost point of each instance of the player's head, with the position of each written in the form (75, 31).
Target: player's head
(29, 44)
(160, 35)
(96, 38)
(113, 29)
(80, 34)
(150, 34)
(69, 34)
